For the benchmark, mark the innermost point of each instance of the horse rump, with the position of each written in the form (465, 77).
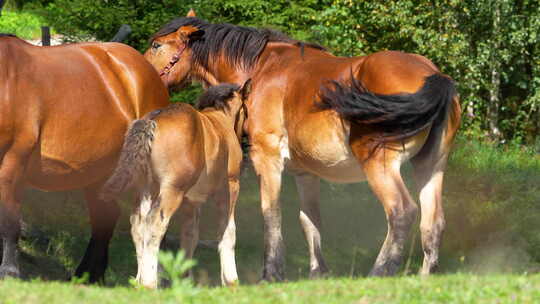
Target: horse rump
(134, 161)
(397, 116)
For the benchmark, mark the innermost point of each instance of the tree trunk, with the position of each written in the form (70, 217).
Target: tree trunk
(494, 95)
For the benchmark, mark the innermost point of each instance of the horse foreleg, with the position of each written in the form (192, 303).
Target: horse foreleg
(103, 218)
(12, 169)
(226, 202)
(310, 217)
(268, 165)
(149, 222)
(385, 180)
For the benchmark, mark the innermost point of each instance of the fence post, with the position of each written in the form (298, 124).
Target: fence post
(2, 2)
(45, 36)
(122, 34)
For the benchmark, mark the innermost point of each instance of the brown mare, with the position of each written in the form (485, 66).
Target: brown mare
(177, 158)
(63, 114)
(321, 116)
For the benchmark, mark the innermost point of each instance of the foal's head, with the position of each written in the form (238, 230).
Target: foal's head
(229, 98)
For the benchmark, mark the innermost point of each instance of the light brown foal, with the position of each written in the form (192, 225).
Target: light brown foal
(322, 116)
(177, 158)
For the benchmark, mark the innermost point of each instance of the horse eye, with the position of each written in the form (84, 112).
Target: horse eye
(155, 45)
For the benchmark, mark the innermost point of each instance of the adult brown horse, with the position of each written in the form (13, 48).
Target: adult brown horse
(321, 116)
(63, 114)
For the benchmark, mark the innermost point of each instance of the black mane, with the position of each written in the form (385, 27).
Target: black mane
(217, 96)
(241, 45)
(7, 35)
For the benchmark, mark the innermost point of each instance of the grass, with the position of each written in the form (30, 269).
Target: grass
(25, 25)
(491, 202)
(456, 288)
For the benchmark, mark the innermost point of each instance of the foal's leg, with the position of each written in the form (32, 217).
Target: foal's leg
(103, 218)
(226, 202)
(12, 167)
(383, 174)
(310, 217)
(268, 163)
(189, 228)
(149, 222)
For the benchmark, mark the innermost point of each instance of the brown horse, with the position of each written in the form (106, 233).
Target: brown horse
(321, 116)
(63, 113)
(179, 157)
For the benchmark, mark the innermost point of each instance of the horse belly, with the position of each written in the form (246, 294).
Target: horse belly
(67, 160)
(327, 155)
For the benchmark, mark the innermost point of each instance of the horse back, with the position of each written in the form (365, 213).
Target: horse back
(77, 101)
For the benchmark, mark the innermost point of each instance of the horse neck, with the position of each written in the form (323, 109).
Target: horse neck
(220, 71)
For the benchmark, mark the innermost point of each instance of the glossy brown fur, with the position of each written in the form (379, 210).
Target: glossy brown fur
(63, 113)
(177, 158)
(287, 129)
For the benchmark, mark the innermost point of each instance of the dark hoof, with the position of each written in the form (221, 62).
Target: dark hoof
(272, 274)
(11, 272)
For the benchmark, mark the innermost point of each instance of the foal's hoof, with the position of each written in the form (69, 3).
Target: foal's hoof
(10, 272)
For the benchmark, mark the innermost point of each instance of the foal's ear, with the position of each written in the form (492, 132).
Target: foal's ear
(191, 13)
(245, 89)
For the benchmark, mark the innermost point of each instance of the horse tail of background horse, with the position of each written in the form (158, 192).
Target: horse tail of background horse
(134, 162)
(396, 116)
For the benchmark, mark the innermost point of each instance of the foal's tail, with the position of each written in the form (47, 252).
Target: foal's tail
(396, 116)
(134, 162)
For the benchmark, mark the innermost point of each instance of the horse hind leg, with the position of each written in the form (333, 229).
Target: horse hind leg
(383, 174)
(149, 222)
(103, 218)
(308, 187)
(429, 165)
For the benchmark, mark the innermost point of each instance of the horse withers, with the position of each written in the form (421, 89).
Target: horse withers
(177, 158)
(343, 119)
(63, 113)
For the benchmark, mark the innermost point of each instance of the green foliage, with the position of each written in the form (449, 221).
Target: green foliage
(464, 40)
(175, 267)
(23, 24)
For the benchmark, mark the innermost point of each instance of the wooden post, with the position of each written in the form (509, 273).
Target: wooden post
(122, 34)
(45, 36)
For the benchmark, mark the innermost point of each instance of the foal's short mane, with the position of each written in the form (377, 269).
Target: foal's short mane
(240, 45)
(7, 35)
(217, 96)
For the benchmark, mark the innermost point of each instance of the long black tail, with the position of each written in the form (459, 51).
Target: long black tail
(396, 116)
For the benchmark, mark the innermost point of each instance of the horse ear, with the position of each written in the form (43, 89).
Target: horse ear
(191, 13)
(245, 89)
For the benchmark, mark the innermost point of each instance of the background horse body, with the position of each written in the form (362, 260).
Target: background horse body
(380, 111)
(191, 156)
(63, 113)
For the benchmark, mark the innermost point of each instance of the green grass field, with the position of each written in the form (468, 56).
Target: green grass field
(457, 288)
(492, 240)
